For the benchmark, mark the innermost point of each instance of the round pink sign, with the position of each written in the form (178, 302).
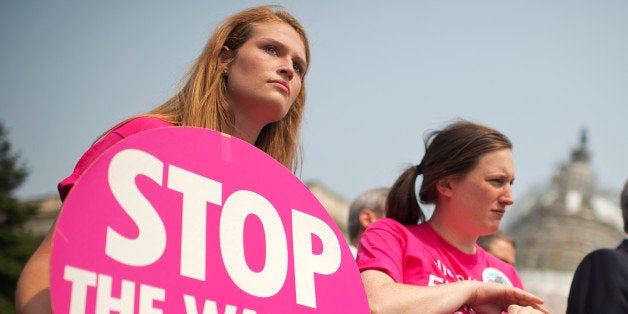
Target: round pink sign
(188, 220)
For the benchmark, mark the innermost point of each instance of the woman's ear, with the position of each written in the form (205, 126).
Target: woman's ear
(444, 186)
(225, 54)
(225, 59)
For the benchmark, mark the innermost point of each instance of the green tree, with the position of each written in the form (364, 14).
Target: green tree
(16, 243)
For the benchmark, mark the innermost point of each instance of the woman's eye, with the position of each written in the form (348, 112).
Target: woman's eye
(298, 68)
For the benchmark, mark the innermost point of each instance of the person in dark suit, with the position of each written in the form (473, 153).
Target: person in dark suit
(600, 284)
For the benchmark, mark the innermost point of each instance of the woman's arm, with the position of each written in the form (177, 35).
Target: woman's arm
(386, 296)
(33, 288)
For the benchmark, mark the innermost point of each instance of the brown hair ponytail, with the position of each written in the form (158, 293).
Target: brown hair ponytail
(402, 204)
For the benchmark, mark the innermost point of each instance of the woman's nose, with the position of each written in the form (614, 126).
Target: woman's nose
(507, 197)
(286, 70)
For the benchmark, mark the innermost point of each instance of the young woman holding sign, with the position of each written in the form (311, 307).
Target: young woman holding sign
(435, 266)
(248, 82)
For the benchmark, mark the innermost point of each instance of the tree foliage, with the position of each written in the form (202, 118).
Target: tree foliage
(16, 243)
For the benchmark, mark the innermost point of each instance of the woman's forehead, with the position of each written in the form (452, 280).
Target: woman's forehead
(283, 32)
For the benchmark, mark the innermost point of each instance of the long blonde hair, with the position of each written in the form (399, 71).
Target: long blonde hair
(202, 100)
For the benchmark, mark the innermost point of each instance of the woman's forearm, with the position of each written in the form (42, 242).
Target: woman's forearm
(386, 296)
(32, 294)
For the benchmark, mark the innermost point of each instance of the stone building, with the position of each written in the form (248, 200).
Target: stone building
(562, 223)
(336, 206)
(47, 211)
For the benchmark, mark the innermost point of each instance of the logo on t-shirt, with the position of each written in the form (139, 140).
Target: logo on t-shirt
(491, 274)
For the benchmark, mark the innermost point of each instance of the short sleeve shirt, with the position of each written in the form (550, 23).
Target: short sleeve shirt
(417, 255)
(119, 133)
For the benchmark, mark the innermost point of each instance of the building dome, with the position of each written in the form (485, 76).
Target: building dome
(562, 222)
(568, 219)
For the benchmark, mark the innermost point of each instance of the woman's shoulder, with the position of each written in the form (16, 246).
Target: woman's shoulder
(387, 223)
(139, 124)
(118, 133)
(393, 226)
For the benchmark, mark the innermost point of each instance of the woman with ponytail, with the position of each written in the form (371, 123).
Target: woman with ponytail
(413, 265)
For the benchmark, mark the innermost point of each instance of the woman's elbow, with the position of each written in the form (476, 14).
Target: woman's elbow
(376, 308)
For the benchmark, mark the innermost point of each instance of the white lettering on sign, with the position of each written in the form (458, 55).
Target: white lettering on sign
(270, 279)
(105, 302)
(306, 264)
(210, 307)
(81, 279)
(197, 190)
(148, 294)
(151, 240)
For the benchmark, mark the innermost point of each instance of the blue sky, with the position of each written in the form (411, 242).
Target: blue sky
(382, 74)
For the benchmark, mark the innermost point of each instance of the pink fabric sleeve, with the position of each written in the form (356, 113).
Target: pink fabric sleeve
(119, 133)
(382, 248)
(512, 274)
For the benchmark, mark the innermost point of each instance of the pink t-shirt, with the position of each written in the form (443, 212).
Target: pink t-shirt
(119, 133)
(417, 255)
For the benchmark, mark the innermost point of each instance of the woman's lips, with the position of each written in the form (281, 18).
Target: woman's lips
(282, 85)
(499, 212)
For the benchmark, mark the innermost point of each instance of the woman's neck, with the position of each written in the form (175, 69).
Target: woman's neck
(246, 131)
(249, 137)
(452, 234)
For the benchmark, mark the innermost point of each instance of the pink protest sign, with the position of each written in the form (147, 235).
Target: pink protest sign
(187, 220)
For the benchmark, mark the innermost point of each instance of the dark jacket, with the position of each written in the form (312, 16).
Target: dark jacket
(600, 284)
